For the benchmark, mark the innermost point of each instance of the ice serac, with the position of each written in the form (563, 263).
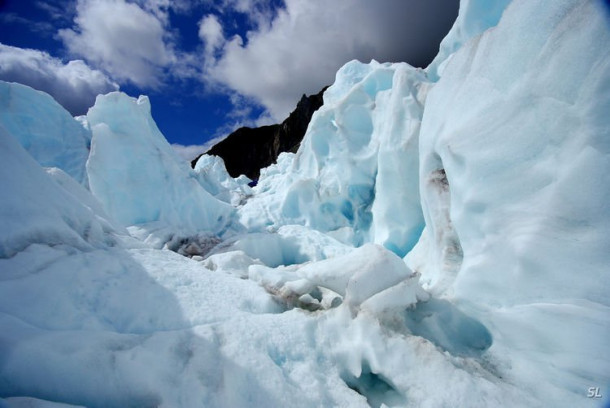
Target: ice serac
(137, 176)
(355, 174)
(45, 129)
(514, 150)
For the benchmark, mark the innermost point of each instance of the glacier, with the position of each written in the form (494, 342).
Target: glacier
(439, 239)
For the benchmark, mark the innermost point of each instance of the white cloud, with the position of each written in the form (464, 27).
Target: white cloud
(127, 41)
(300, 50)
(188, 153)
(210, 32)
(74, 85)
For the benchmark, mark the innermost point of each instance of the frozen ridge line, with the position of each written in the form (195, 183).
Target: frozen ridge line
(440, 239)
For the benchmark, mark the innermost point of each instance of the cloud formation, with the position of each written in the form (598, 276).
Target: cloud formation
(188, 153)
(74, 85)
(302, 47)
(210, 32)
(128, 41)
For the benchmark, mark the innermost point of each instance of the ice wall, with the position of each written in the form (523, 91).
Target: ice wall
(355, 175)
(514, 150)
(523, 163)
(45, 129)
(137, 176)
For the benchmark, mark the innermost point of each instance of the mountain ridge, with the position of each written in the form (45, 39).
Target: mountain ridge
(248, 150)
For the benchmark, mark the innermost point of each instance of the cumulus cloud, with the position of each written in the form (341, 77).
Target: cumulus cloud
(74, 85)
(128, 41)
(188, 153)
(304, 44)
(210, 32)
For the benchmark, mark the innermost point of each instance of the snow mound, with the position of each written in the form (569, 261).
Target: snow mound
(153, 185)
(369, 278)
(45, 129)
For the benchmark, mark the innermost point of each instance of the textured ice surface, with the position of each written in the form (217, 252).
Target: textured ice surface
(514, 194)
(474, 18)
(45, 129)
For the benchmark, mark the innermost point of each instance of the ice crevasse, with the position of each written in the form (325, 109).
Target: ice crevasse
(439, 239)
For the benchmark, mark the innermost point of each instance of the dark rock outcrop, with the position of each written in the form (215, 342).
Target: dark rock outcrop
(247, 150)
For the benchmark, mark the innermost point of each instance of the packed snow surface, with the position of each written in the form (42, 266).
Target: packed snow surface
(439, 239)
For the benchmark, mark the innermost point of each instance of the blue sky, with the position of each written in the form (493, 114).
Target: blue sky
(208, 66)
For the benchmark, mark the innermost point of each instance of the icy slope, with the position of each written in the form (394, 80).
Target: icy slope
(91, 317)
(214, 178)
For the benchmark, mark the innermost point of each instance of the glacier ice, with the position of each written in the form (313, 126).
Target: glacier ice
(355, 175)
(530, 235)
(45, 129)
(153, 185)
(37, 210)
(439, 239)
(215, 179)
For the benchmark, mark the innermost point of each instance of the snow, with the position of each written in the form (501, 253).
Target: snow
(439, 239)
(291, 244)
(25, 402)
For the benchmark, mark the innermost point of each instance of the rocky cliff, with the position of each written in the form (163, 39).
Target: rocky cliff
(247, 150)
